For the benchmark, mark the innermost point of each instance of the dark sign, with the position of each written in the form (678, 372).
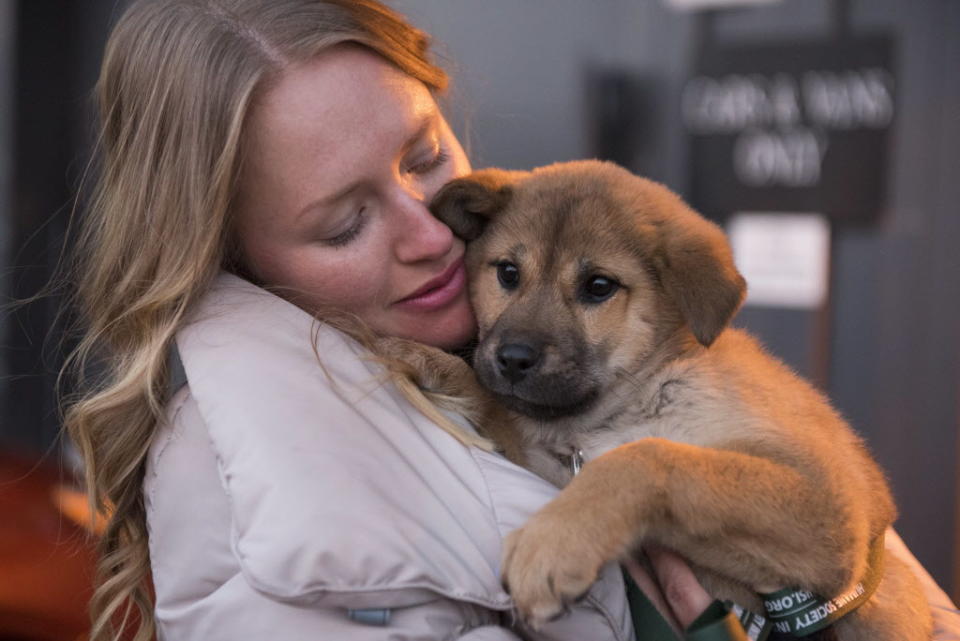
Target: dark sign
(799, 127)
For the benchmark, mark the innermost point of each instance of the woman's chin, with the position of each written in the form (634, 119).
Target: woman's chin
(447, 331)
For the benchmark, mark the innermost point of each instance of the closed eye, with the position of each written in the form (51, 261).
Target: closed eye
(431, 164)
(346, 236)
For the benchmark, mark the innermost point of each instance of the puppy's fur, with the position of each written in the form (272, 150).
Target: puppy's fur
(603, 303)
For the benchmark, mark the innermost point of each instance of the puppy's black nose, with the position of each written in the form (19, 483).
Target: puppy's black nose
(516, 359)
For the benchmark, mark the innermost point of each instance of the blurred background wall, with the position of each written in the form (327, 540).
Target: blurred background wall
(530, 89)
(6, 125)
(52, 55)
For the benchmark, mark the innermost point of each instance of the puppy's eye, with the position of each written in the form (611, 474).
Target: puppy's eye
(597, 289)
(508, 274)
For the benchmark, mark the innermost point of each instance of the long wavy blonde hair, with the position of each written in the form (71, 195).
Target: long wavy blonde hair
(177, 82)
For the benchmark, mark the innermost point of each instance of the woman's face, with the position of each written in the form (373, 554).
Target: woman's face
(343, 154)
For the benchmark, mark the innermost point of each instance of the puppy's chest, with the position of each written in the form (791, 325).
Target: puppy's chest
(663, 413)
(668, 421)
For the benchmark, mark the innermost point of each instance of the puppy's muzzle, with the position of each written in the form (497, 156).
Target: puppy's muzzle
(531, 374)
(516, 360)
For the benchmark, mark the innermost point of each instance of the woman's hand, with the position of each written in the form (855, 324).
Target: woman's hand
(674, 590)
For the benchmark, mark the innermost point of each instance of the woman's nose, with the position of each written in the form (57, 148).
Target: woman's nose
(420, 236)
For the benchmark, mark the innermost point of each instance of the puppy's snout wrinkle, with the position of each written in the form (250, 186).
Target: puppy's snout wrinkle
(516, 360)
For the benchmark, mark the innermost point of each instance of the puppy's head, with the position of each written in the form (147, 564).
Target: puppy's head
(579, 273)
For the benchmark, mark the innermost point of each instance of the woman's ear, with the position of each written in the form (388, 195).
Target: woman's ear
(467, 204)
(695, 265)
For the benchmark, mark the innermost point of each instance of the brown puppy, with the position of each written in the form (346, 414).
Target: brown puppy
(603, 303)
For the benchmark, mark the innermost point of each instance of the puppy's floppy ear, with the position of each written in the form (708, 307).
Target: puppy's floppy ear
(467, 204)
(696, 268)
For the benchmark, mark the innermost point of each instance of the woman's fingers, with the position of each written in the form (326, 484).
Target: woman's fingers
(684, 595)
(649, 587)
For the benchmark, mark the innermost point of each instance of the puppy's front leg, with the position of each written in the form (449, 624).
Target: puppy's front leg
(743, 516)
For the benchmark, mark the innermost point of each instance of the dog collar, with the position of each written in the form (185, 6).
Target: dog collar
(800, 613)
(573, 461)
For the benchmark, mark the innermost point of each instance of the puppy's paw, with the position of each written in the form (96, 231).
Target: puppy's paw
(430, 368)
(548, 565)
(403, 350)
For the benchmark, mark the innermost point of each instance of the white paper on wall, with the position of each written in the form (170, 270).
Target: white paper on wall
(785, 257)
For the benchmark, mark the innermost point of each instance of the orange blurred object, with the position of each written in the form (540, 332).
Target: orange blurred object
(74, 504)
(46, 553)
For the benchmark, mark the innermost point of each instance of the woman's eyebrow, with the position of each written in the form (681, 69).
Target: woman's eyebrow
(427, 122)
(328, 201)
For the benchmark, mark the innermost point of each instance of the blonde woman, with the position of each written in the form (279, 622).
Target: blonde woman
(265, 162)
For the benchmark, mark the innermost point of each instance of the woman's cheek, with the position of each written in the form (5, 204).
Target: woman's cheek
(355, 285)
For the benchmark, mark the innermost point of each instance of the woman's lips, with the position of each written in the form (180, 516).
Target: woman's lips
(439, 291)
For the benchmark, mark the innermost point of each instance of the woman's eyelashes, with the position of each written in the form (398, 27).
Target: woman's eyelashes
(435, 161)
(356, 226)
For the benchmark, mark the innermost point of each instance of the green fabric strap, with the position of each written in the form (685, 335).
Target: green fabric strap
(714, 624)
(648, 625)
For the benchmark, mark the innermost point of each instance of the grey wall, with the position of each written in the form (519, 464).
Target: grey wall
(896, 339)
(517, 72)
(519, 93)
